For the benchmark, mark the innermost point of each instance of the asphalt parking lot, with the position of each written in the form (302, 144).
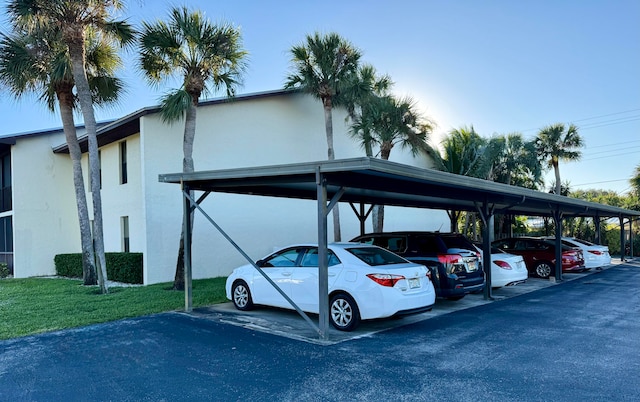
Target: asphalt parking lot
(290, 324)
(569, 341)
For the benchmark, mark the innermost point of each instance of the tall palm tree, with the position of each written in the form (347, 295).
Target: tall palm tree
(387, 121)
(208, 58)
(323, 66)
(74, 20)
(33, 64)
(363, 89)
(557, 143)
(635, 181)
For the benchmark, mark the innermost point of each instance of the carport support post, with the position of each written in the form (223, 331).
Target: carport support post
(323, 261)
(487, 216)
(596, 221)
(186, 205)
(622, 245)
(557, 217)
(631, 237)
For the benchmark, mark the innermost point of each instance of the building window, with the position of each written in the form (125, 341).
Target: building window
(5, 182)
(6, 241)
(124, 227)
(123, 162)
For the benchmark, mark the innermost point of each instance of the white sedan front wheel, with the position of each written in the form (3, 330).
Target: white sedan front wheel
(343, 312)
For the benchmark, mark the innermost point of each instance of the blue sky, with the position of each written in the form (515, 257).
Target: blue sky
(502, 66)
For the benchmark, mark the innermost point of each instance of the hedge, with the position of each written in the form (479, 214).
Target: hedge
(4, 270)
(121, 267)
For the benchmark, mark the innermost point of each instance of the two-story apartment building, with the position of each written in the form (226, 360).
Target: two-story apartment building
(38, 218)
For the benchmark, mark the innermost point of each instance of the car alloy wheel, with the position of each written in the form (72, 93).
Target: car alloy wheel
(543, 269)
(343, 312)
(242, 296)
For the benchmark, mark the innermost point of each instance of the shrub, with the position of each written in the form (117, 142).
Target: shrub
(121, 267)
(4, 270)
(69, 265)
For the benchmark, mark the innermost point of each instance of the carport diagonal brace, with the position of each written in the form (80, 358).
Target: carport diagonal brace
(195, 205)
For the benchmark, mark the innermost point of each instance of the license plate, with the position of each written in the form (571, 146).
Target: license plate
(472, 266)
(414, 283)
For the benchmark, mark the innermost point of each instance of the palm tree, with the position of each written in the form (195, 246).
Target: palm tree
(208, 57)
(635, 181)
(517, 162)
(557, 142)
(73, 20)
(323, 66)
(466, 153)
(387, 121)
(32, 64)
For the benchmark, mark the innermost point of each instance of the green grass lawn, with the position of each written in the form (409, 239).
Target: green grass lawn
(35, 305)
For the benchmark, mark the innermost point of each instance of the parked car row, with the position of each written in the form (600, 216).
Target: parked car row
(381, 275)
(539, 254)
(595, 256)
(456, 268)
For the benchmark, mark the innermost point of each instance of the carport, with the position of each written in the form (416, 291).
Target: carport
(362, 181)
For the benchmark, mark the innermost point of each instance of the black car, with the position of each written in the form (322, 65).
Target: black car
(455, 264)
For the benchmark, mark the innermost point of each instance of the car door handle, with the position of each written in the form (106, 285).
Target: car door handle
(286, 274)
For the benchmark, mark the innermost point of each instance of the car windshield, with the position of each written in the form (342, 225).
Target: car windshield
(376, 256)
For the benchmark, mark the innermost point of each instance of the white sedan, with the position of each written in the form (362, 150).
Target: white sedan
(595, 256)
(506, 269)
(365, 282)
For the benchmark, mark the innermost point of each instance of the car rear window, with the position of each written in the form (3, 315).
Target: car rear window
(457, 242)
(376, 256)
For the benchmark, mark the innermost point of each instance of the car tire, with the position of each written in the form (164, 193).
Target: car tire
(343, 312)
(241, 296)
(543, 269)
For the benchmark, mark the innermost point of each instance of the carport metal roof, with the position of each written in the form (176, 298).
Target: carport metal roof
(376, 181)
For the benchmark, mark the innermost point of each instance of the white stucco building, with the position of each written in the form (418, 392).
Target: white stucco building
(143, 215)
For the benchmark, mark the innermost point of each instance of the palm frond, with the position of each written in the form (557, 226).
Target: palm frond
(174, 105)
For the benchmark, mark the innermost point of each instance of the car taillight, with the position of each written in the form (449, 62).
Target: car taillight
(502, 264)
(453, 263)
(388, 280)
(596, 252)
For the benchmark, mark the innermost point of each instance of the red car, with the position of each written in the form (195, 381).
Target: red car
(540, 255)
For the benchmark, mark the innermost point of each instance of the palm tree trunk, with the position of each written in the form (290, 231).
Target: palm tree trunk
(453, 218)
(76, 53)
(377, 214)
(68, 124)
(187, 167)
(328, 124)
(556, 169)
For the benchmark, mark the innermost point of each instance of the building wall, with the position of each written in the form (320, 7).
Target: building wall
(45, 219)
(275, 130)
(278, 129)
(120, 200)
